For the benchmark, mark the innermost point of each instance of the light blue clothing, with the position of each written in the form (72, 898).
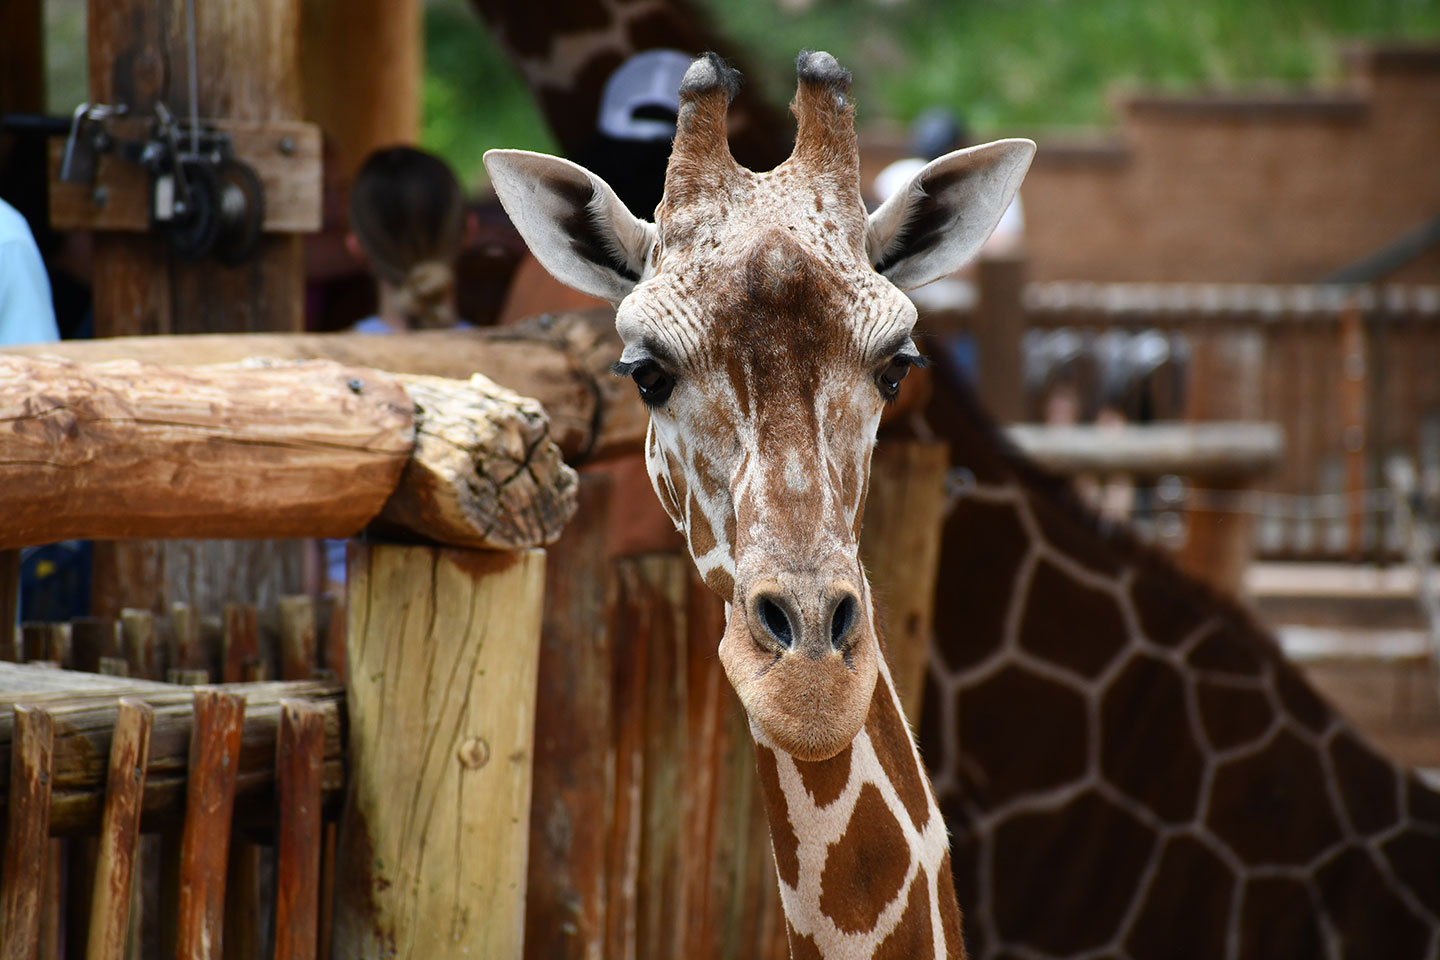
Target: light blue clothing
(27, 312)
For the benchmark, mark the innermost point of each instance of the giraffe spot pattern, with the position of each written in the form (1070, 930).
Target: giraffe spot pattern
(950, 922)
(1272, 807)
(1226, 651)
(1299, 700)
(1278, 920)
(702, 538)
(912, 939)
(1187, 906)
(892, 744)
(719, 580)
(1146, 747)
(1415, 858)
(1021, 751)
(1066, 606)
(1232, 716)
(1167, 612)
(783, 841)
(825, 780)
(864, 869)
(973, 621)
(801, 946)
(1377, 923)
(1367, 785)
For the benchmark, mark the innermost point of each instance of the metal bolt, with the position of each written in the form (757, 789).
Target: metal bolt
(286, 146)
(356, 385)
(100, 196)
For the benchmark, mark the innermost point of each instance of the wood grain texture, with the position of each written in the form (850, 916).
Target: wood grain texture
(26, 833)
(297, 637)
(143, 652)
(124, 450)
(84, 721)
(483, 472)
(299, 763)
(442, 653)
(205, 843)
(900, 548)
(119, 831)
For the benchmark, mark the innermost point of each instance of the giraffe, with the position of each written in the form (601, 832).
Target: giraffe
(1128, 764)
(764, 326)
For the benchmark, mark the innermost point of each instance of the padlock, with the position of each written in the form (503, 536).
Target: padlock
(81, 156)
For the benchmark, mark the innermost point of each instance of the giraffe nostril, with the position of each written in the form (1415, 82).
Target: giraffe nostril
(777, 624)
(842, 622)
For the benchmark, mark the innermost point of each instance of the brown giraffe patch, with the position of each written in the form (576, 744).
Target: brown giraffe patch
(782, 832)
(801, 946)
(1373, 922)
(1232, 716)
(1226, 651)
(892, 745)
(864, 869)
(973, 621)
(1422, 803)
(1272, 806)
(912, 938)
(720, 581)
(1034, 905)
(949, 921)
(1060, 609)
(1415, 858)
(1166, 613)
(1187, 906)
(1068, 532)
(702, 538)
(1367, 785)
(1021, 751)
(825, 779)
(1278, 920)
(1146, 747)
(1300, 701)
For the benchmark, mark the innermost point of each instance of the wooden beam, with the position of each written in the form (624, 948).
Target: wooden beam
(440, 749)
(120, 831)
(205, 843)
(124, 450)
(26, 833)
(299, 762)
(84, 719)
(1202, 450)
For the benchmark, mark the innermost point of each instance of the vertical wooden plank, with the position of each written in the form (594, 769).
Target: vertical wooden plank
(142, 653)
(299, 753)
(574, 765)
(91, 639)
(27, 832)
(209, 802)
(332, 626)
(185, 652)
(297, 637)
(999, 325)
(1353, 390)
(632, 677)
(443, 645)
(58, 646)
(34, 641)
(241, 641)
(10, 648)
(244, 904)
(900, 547)
(115, 866)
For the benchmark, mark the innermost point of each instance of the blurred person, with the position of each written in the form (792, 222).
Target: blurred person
(27, 313)
(66, 256)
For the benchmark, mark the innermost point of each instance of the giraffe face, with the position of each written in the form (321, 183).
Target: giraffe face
(764, 327)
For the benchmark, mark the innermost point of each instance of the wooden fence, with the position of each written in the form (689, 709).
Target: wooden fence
(1351, 375)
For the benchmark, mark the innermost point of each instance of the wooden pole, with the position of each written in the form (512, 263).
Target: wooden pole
(442, 649)
(26, 834)
(299, 761)
(999, 325)
(205, 844)
(115, 866)
(297, 637)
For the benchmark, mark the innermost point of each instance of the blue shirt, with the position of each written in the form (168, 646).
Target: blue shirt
(27, 313)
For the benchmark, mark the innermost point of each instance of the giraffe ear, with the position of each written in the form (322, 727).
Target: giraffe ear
(572, 221)
(938, 221)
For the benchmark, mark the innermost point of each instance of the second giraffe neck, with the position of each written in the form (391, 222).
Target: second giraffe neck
(860, 847)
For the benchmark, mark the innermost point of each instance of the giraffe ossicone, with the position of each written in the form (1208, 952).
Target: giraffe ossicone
(764, 324)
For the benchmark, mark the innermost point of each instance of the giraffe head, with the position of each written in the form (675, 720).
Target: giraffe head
(765, 327)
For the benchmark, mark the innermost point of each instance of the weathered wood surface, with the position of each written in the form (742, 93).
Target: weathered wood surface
(441, 717)
(120, 831)
(84, 720)
(297, 637)
(205, 842)
(309, 449)
(900, 547)
(10, 645)
(1207, 451)
(299, 760)
(129, 450)
(26, 834)
(483, 472)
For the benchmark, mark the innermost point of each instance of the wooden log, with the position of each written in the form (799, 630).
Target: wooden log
(482, 452)
(205, 844)
(113, 667)
(126, 450)
(26, 833)
(297, 637)
(83, 728)
(120, 831)
(442, 646)
(574, 761)
(900, 547)
(299, 759)
(1211, 451)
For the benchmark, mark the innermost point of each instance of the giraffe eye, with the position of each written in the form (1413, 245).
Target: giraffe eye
(653, 382)
(889, 378)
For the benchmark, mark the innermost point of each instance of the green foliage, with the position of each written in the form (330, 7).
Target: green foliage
(473, 99)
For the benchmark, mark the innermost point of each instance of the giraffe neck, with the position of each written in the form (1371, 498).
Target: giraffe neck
(860, 847)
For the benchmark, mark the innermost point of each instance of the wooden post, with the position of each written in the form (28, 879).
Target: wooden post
(900, 547)
(142, 653)
(299, 758)
(442, 649)
(297, 637)
(93, 639)
(209, 802)
(999, 325)
(120, 832)
(10, 646)
(1354, 364)
(26, 834)
(574, 758)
